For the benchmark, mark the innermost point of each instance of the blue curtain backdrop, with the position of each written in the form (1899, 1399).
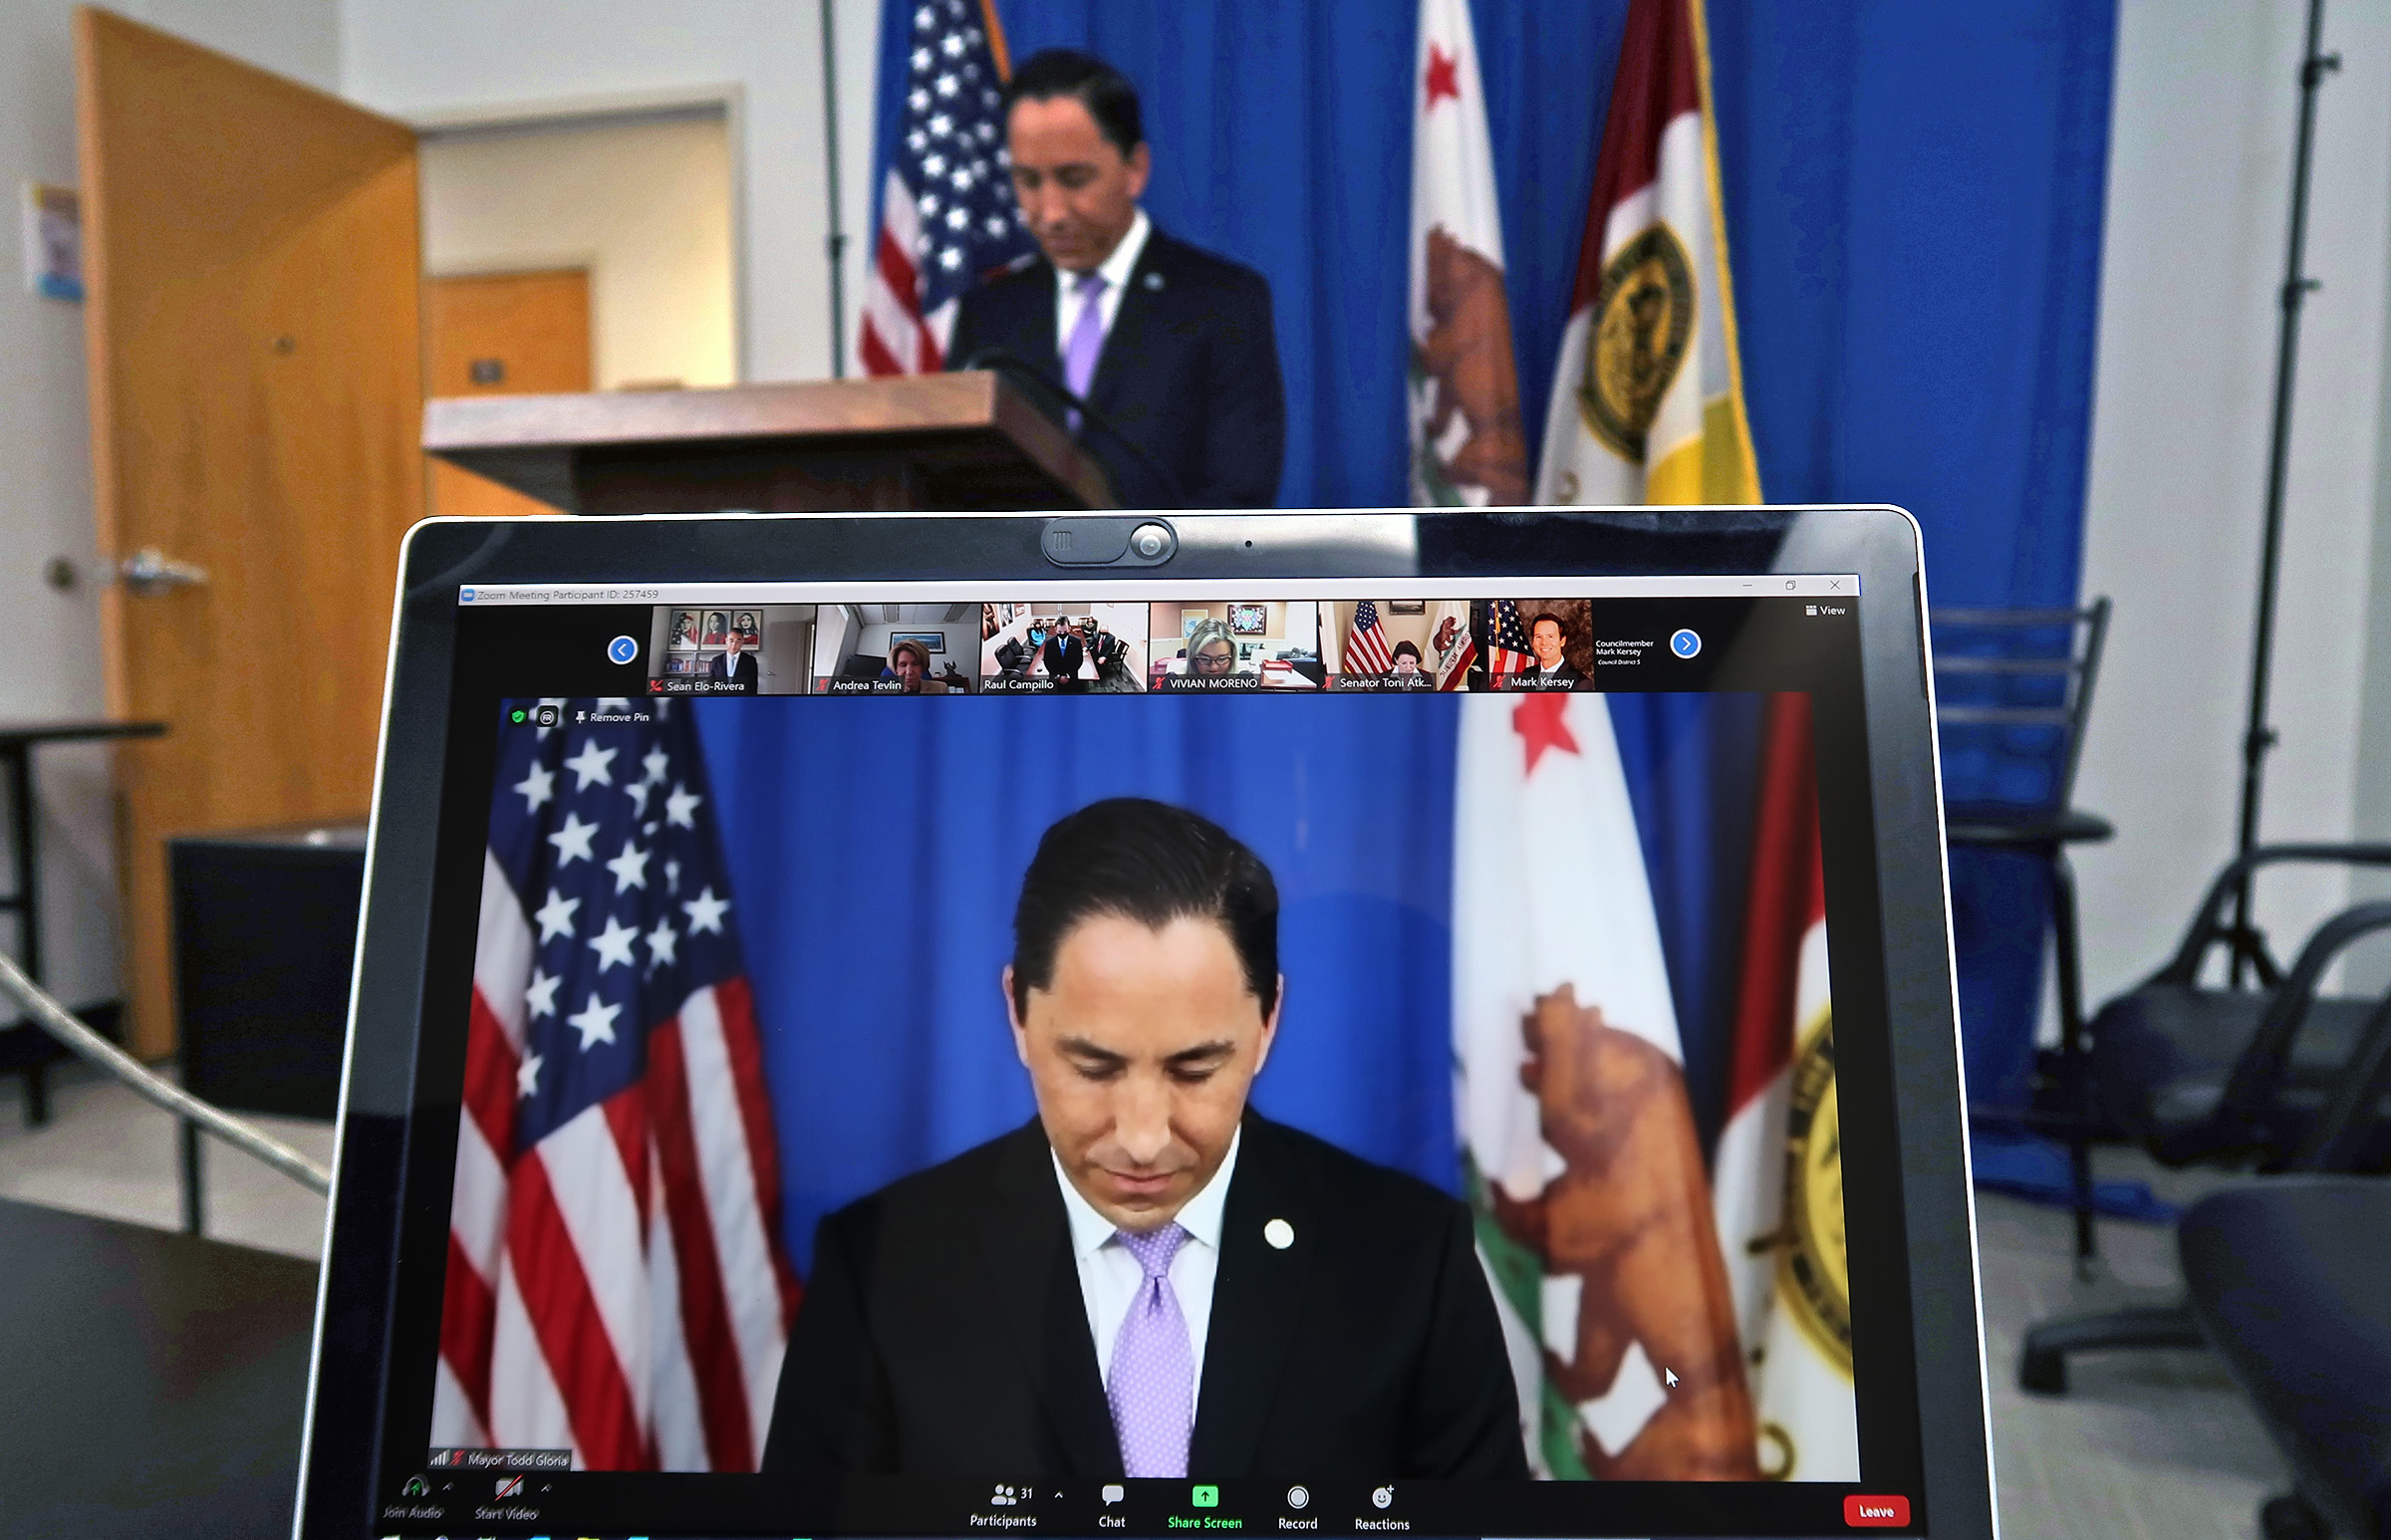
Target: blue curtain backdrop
(876, 848)
(1913, 198)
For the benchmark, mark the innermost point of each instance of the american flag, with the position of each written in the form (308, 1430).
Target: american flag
(947, 212)
(1366, 644)
(1507, 652)
(617, 1283)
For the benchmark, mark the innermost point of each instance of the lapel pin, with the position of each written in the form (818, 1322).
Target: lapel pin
(1280, 1233)
(1154, 281)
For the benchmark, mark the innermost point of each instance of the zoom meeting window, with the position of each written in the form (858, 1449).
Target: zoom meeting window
(1085, 1061)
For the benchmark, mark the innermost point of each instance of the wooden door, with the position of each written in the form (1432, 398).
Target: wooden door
(504, 334)
(257, 391)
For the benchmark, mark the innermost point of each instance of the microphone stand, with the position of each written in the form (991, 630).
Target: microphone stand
(2249, 946)
(1059, 401)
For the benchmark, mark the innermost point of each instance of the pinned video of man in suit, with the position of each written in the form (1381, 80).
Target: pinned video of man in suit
(1148, 1279)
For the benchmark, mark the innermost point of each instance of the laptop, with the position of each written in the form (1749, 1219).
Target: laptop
(1435, 1023)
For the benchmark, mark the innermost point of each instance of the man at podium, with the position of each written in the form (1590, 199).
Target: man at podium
(1172, 347)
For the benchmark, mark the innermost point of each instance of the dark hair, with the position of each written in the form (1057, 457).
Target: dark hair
(1559, 623)
(1104, 91)
(1151, 863)
(1402, 647)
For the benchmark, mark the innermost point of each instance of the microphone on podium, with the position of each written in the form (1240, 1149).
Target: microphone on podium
(1057, 400)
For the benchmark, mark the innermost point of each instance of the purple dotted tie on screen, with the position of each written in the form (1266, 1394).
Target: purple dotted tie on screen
(1087, 339)
(1153, 1391)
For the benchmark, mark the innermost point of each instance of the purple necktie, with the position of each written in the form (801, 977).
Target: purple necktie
(1087, 339)
(1153, 1370)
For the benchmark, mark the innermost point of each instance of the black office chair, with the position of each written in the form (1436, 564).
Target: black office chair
(2288, 1282)
(2014, 689)
(2267, 1079)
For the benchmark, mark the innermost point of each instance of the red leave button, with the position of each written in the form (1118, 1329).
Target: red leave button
(1876, 1512)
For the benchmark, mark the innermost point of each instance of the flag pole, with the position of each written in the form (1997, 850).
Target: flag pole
(835, 243)
(2314, 65)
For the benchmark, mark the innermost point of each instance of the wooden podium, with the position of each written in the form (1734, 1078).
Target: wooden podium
(962, 441)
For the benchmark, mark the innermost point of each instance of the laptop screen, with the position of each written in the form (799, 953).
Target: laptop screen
(1103, 1057)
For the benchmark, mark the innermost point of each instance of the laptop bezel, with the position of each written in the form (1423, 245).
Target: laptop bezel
(346, 1391)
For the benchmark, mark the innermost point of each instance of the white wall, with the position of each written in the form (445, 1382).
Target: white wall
(646, 207)
(2200, 170)
(45, 452)
(419, 59)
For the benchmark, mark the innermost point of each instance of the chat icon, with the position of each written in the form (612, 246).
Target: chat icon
(1114, 1491)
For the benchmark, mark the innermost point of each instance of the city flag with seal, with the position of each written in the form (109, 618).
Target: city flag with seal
(1648, 400)
(1778, 1168)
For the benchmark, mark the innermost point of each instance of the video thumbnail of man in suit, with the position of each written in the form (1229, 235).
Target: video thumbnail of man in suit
(1226, 1086)
(1058, 648)
(1536, 645)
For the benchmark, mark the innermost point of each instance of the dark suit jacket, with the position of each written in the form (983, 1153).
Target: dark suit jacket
(1188, 372)
(943, 1331)
(717, 665)
(1064, 652)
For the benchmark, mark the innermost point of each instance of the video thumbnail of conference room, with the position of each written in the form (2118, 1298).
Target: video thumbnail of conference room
(740, 968)
(1062, 647)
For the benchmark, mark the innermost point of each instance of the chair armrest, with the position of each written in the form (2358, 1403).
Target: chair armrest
(2207, 923)
(2261, 1067)
(2342, 1131)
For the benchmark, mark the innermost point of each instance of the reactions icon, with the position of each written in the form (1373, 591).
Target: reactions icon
(1382, 1497)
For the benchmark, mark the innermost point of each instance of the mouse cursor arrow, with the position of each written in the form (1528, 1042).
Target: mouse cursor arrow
(1669, 1376)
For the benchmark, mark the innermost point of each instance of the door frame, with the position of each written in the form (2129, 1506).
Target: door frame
(618, 110)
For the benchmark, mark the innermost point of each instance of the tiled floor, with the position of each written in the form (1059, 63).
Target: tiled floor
(2145, 1446)
(106, 1152)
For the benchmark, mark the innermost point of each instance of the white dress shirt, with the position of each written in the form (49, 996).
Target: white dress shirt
(1116, 269)
(1109, 1277)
